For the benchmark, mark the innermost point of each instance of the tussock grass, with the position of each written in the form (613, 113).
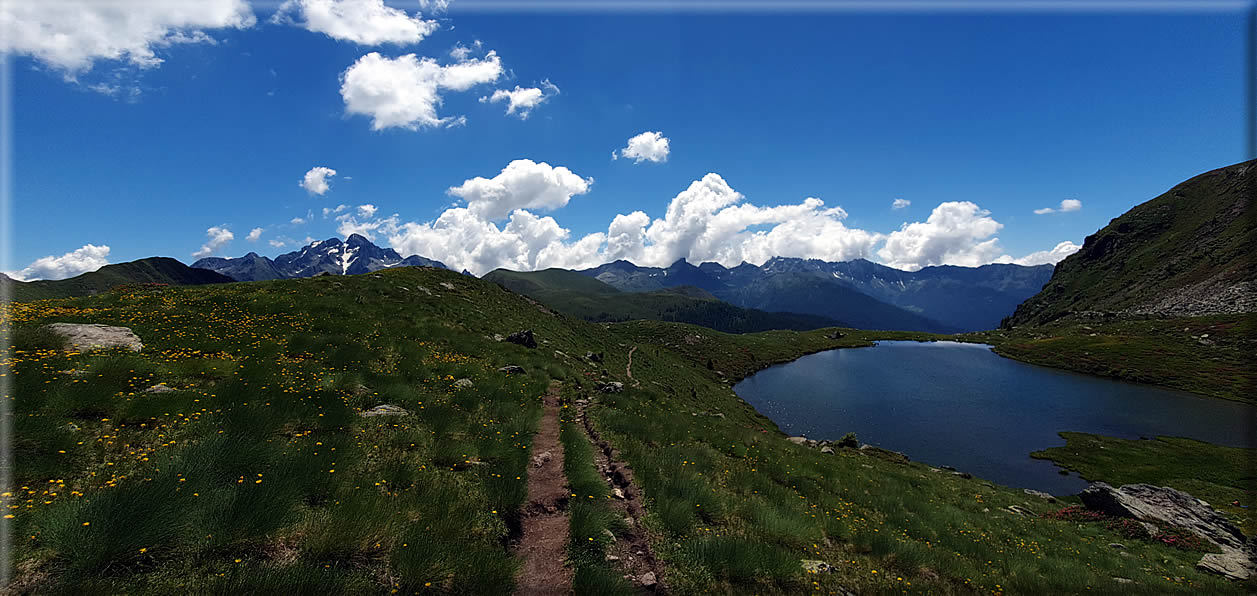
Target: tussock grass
(589, 516)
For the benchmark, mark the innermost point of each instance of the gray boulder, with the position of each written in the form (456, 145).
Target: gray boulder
(87, 337)
(1040, 494)
(1238, 565)
(512, 369)
(385, 410)
(1147, 503)
(612, 387)
(463, 383)
(523, 338)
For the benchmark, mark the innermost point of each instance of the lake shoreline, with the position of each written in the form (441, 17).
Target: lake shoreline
(899, 406)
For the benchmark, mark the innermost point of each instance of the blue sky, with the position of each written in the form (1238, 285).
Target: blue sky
(975, 119)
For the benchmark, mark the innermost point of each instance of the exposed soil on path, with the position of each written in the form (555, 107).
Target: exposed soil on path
(543, 545)
(631, 551)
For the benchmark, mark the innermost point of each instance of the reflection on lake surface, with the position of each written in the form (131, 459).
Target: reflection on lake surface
(949, 403)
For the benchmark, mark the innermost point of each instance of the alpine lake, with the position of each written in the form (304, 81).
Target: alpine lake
(962, 405)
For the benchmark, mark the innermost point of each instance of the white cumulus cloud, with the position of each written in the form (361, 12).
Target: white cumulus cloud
(522, 184)
(329, 210)
(708, 221)
(1066, 206)
(1044, 257)
(648, 146)
(521, 100)
(366, 211)
(900, 204)
(315, 180)
(404, 92)
(461, 52)
(364, 22)
(956, 233)
(437, 6)
(72, 35)
(254, 234)
(218, 237)
(89, 257)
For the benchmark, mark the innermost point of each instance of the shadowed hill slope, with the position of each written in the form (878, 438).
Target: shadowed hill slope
(159, 270)
(1189, 252)
(587, 298)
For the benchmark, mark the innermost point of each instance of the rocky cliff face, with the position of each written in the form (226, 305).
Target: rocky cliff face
(1189, 252)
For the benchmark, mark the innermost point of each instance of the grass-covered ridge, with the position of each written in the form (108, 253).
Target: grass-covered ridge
(153, 270)
(592, 300)
(1210, 355)
(1190, 251)
(227, 483)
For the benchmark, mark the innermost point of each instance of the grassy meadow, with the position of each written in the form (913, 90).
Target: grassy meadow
(1210, 356)
(257, 473)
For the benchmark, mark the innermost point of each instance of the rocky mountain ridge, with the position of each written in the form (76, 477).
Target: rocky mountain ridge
(936, 298)
(356, 254)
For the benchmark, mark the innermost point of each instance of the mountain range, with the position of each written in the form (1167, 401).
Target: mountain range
(787, 293)
(862, 293)
(582, 296)
(353, 256)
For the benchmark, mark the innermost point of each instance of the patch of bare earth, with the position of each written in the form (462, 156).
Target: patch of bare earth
(543, 544)
(631, 551)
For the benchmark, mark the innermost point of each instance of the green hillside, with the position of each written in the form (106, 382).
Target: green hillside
(1191, 251)
(1209, 355)
(587, 298)
(257, 474)
(153, 270)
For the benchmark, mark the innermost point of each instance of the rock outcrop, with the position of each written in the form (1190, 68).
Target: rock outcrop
(1163, 505)
(523, 338)
(385, 410)
(87, 337)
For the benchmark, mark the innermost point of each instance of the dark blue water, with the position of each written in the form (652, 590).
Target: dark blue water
(948, 403)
